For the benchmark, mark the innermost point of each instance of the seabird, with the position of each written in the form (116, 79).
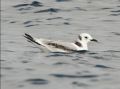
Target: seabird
(59, 46)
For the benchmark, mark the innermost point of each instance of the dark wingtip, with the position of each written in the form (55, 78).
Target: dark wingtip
(29, 37)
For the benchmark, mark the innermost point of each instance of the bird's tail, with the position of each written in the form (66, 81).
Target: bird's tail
(30, 38)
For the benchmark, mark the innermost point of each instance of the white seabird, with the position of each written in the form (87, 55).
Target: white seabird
(59, 46)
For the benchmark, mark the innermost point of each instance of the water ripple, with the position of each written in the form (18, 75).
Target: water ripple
(80, 84)
(73, 76)
(37, 81)
(34, 3)
(62, 0)
(101, 66)
(55, 10)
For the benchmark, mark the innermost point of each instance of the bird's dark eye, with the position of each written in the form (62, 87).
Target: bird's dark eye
(86, 37)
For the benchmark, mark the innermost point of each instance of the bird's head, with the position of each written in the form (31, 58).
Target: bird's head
(85, 37)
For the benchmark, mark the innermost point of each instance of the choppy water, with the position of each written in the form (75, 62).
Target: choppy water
(24, 66)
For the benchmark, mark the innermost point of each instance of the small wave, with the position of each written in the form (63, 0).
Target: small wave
(7, 68)
(62, 0)
(34, 3)
(54, 18)
(57, 54)
(101, 66)
(55, 10)
(115, 14)
(106, 8)
(116, 33)
(79, 84)
(27, 22)
(98, 57)
(8, 50)
(60, 63)
(116, 11)
(31, 25)
(37, 81)
(112, 51)
(73, 76)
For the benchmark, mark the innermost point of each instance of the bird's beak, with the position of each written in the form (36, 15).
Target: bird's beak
(94, 40)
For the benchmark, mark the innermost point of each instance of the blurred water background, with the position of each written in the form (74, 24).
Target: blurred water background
(24, 66)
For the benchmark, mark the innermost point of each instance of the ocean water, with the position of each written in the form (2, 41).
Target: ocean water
(24, 66)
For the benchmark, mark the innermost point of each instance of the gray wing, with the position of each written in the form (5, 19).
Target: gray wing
(59, 45)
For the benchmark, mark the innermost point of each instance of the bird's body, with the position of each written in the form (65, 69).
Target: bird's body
(60, 46)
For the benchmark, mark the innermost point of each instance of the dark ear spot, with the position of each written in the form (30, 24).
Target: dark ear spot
(86, 37)
(80, 37)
